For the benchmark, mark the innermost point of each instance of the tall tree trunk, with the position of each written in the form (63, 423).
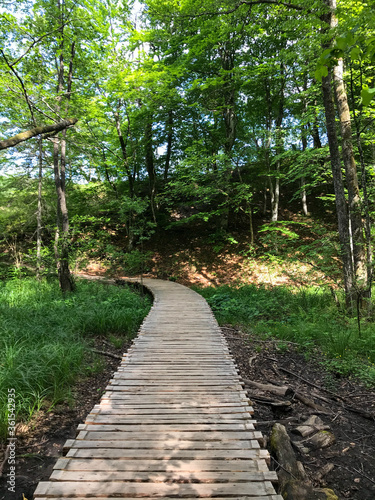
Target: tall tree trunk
(39, 211)
(279, 148)
(365, 193)
(150, 166)
(354, 219)
(227, 54)
(59, 161)
(350, 174)
(315, 132)
(123, 150)
(303, 179)
(169, 131)
(341, 207)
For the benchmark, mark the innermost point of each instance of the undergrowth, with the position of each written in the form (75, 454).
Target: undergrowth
(306, 316)
(44, 336)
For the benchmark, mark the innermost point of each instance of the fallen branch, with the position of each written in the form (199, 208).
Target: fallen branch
(356, 471)
(105, 353)
(271, 402)
(283, 421)
(273, 389)
(308, 402)
(311, 383)
(364, 414)
(44, 129)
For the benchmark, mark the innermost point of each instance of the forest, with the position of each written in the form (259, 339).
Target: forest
(225, 145)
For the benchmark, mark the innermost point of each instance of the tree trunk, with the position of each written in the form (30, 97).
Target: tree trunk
(59, 160)
(350, 174)
(303, 179)
(149, 156)
(123, 150)
(279, 148)
(341, 207)
(365, 194)
(169, 131)
(39, 212)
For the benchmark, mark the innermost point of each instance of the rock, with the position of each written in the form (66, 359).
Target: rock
(323, 439)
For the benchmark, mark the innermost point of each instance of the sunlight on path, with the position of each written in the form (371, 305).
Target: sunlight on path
(174, 421)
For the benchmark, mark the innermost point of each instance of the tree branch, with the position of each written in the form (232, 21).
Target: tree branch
(24, 136)
(250, 3)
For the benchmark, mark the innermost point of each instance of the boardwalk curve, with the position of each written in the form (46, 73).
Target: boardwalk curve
(174, 420)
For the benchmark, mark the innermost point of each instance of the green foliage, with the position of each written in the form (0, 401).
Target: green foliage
(278, 234)
(305, 316)
(44, 337)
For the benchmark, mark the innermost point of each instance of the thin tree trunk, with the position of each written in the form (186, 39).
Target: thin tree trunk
(304, 197)
(123, 150)
(341, 207)
(59, 160)
(315, 132)
(39, 211)
(279, 148)
(365, 194)
(169, 130)
(149, 156)
(351, 175)
(303, 179)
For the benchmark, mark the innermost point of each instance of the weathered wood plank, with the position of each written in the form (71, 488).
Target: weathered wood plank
(97, 464)
(106, 409)
(140, 454)
(108, 425)
(168, 419)
(167, 435)
(174, 420)
(160, 477)
(114, 488)
(162, 445)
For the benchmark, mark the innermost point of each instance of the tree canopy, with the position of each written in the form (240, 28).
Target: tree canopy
(221, 107)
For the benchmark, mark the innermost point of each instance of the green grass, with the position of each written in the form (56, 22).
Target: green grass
(306, 316)
(44, 336)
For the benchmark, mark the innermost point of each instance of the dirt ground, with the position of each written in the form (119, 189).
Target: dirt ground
(352, 456)
(40, 442)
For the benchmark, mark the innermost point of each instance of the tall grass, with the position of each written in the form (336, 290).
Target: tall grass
(306, 316)
(44, 336)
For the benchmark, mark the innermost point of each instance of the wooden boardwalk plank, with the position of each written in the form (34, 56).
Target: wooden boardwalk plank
(160, 477)
(174, 420)
(160, 465)
(114, 488)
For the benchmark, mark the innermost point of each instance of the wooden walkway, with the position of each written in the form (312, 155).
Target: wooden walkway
(174, 421)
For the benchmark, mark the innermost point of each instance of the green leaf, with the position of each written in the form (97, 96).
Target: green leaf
(320, 72)
(355, 54)
(367, 95)
(341, 43)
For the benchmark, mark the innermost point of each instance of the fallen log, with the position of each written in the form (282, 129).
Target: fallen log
(293, 484)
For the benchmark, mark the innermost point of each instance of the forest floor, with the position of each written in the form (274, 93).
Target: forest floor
(352, 456)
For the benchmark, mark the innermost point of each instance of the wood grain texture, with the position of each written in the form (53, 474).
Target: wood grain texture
(174, 421)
